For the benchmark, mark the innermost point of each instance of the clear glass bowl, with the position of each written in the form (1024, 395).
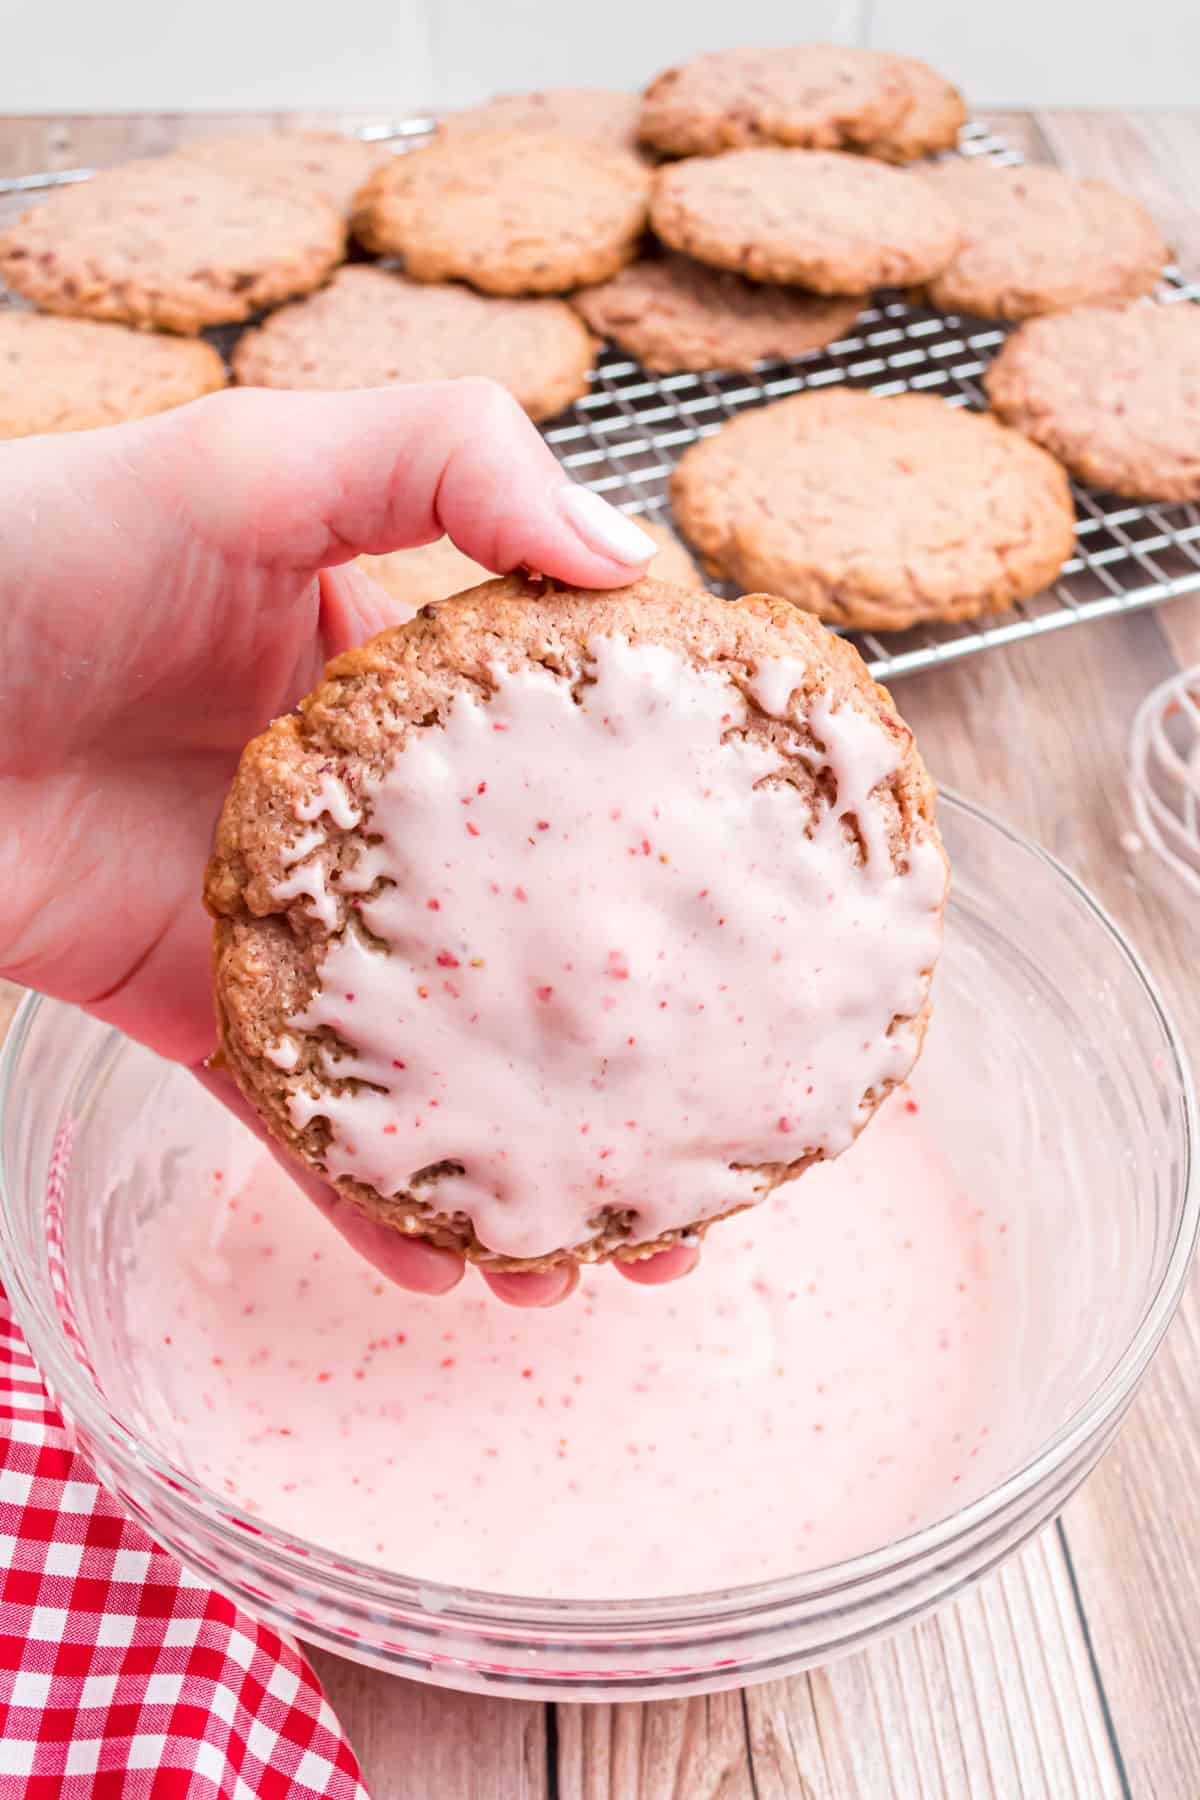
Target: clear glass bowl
(1051, 1072)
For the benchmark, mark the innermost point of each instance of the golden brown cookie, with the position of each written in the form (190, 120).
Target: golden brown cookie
(600, 115)
(828, 221)
(814, 96)
(673, 313)
(73, 374)
(1036, 240)
(512, 212)
(482, 916)
(876, 513)
(312, 162)
(371, 328)
(1112, 392)
(171, 244)
(435, 571)
(931, 122)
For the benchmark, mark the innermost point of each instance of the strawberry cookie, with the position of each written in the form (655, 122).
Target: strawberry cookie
(555, 925)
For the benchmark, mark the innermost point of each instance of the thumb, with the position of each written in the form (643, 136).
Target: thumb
(311, 480)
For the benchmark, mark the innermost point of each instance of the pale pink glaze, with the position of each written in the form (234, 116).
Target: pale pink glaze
(837, 1373)
(618, 965)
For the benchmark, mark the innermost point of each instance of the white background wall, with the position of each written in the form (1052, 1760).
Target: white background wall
(404, 55)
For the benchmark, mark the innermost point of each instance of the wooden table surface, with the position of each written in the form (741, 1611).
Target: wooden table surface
(1076, 1669)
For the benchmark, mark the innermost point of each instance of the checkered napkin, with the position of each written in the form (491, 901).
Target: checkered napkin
(121, 1675)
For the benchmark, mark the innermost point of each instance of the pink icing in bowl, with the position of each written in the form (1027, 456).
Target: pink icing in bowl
(1058, 1098)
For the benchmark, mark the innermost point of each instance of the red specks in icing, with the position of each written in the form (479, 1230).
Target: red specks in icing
(638, 846)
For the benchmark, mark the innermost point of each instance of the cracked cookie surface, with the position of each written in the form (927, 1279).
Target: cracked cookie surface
(826, 220)
(876, 513)
(816, 96)
(674, 314)
(1113, 392)
(512, 212)
(372, 328)
(1038, 240)
(170, 244)
(75, 374)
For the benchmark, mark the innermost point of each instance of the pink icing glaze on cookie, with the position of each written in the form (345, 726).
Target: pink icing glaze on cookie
(618, 971)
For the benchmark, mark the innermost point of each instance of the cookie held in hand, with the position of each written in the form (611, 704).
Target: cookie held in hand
(557, 924)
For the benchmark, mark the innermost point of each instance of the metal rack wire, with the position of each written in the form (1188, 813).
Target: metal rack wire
(625, 436)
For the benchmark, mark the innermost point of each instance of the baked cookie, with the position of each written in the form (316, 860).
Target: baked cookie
(370, 328)
(483, 922)
(512, 212)
(1038, 241)
(170, 244)
(436, 571)
(876, 513)
(601, 115)
(72, 374)
(932, 120)
(311, 162)
(1113, 392)
(832, 222)
(815, 96)
(674, 314)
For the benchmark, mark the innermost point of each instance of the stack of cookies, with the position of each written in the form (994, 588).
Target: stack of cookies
(743, 208)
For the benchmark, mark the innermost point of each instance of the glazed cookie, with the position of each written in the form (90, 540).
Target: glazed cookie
(370, 328)
(512, 212)
(876, 513)
(601, 115)
(436, 571)
(1113, 392)
(311, 162)
(171, 244)
(72, 374)
(931, 122)
(836, 223)
(815, 96)
(483, 924)
(675, 314)
(1038, 241)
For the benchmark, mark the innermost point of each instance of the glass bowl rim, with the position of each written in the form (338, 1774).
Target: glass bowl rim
(289, 1554)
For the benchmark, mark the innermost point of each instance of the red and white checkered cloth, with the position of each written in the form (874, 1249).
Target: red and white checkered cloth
(120, 1674)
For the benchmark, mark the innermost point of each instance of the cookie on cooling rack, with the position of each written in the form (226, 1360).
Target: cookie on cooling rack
(600, 115)
(504, 846)
(73, 374)
(371, 327)
(1036, 240)
(673, 314)
(932, 120)
(512, 212)
(170, 244)
(1112, 392)
(828, 221)
(876, 513)
(325, 163)
(815, 96)
(435, 571)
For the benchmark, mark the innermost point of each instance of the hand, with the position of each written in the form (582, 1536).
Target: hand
(169, 586)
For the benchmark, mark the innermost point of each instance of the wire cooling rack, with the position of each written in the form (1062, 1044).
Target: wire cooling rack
(626, 435)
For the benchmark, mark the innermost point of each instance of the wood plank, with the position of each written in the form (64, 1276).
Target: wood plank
(426, 1743)
(664, 1750)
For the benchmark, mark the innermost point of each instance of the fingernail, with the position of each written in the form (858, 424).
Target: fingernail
(602, 528)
